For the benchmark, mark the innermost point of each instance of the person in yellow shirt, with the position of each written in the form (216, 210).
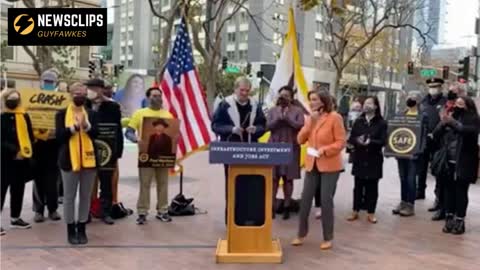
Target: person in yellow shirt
(133, 133)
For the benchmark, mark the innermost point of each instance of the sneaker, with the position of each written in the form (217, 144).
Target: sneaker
(408, 210)
(108, 220)
(60, 200)
(54, 216)
(20, 224)
(39, 218)
(397, 209)
(2, 231)
(164, 217)
(142, 219)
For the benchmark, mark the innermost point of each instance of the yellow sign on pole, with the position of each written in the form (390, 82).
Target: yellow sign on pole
(42, 106)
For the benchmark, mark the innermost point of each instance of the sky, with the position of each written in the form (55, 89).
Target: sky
(461, 22)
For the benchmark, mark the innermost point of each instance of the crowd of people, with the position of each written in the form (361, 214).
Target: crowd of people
(448, 140)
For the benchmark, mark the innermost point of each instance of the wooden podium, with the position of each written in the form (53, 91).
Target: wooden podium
(249, 241)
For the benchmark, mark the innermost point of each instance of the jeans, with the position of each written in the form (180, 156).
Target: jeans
(407, 169)
(456, 194)
(365, 192)
(106, 196)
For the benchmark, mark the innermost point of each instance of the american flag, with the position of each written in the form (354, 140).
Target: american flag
(184, 96)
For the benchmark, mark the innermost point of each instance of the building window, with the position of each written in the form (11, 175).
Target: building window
(7, 51)
(318, 45)
(231, 37)
(281, 2)
(319, 26)
(278, 17)
(242, 55)
(231, 56)
(277, 39)
(4, 8)
(243, 36)
(124, 50)
(130, 63)
(243, 17)
(130, 50)
(166, 3)
(318, 62)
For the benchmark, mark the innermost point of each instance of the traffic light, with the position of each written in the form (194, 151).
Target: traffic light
(248, 69)
(91, 69)
(117, 70)
(410, 67)
(102, 68)
(464, 69)
(445, 73)
(224, 62)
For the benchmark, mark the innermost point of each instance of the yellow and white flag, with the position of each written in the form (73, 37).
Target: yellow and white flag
(288, 70)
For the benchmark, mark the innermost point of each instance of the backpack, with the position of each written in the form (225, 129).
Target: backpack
(181, 206)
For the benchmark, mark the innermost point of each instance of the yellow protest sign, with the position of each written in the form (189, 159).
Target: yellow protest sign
(43, 105)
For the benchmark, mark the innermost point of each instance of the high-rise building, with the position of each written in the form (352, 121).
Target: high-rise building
(138, 35)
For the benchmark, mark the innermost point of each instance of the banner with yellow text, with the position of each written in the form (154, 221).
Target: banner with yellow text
(42, 106)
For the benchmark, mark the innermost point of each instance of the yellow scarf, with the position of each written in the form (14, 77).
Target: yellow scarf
(82, 153)
(22, 132)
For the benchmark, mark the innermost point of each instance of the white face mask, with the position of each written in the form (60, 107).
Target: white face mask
(433, 91)
(92, 95)
(354, 115)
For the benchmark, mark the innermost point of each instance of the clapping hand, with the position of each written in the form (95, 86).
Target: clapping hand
(251, 129)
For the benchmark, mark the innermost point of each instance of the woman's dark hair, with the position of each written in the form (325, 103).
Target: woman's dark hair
(149, 91)
(288, 88)
(324, 97)
(470, 105)
(334, 103)
(378, 112)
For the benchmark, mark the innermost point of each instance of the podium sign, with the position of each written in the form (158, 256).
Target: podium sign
(404, 137)
(249, 221)
(251, 153)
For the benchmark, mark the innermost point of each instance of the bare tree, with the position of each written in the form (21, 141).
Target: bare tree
(47, 57)
(165, 38)
(222, 11)
(370, 17)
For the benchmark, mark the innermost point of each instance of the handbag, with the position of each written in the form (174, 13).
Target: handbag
(439, 165)
(181, 206)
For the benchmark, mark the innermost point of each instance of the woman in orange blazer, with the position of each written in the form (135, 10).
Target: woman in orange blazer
(325, 136)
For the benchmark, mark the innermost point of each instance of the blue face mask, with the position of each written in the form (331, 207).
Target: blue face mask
(48, 86)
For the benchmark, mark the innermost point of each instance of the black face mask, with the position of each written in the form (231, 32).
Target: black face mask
(458, 111)
(451, 95)
(79, 100)
(411, 103)
(12, 103)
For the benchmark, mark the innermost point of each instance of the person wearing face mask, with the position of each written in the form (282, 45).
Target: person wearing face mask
(407, 167)
(355, 112)
(108, 112)
(368, 136)
(457, 134)
(285, 121)
(431, 106)
(76, 130)
(16, 143)
(155, 109)
(325, 136)
(238, 118)
(46, 188)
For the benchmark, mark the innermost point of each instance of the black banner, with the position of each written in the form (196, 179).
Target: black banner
(57, 26)
(106, 144)
(404, 137)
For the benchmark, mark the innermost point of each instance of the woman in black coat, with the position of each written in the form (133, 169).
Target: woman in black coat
(16, 143)
(367, 137)
(458, 135)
